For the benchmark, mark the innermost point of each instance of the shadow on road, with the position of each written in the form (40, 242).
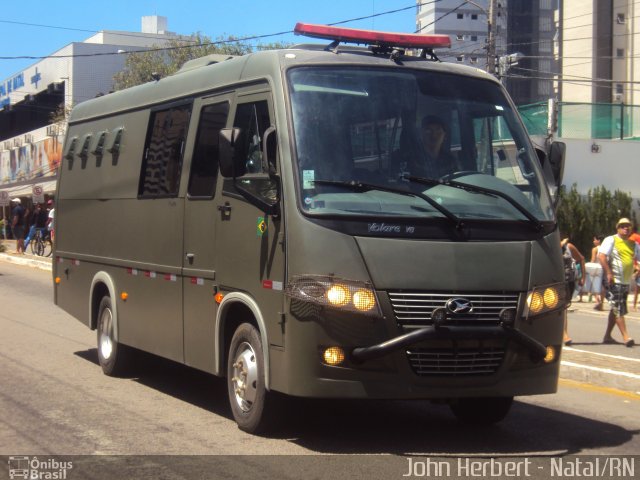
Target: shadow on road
(389, 427)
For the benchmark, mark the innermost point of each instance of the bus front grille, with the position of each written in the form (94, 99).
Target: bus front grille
(413, 310)
(455, 361)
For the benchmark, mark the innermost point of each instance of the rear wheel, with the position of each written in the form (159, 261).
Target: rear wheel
(47, 248)
(112, 356)
(481, 411)
(248, 395)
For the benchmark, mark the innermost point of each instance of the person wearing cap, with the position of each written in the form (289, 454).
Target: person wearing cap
(617, 254)
(17, 224)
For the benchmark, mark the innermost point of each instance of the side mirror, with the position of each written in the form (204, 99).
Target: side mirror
(227, 151)
(557, 154)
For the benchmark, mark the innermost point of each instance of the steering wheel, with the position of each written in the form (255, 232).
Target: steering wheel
(458, 174)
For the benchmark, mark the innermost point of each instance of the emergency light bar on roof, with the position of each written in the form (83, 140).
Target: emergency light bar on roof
(371, 37)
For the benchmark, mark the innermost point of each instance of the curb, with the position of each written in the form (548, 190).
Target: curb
(603, 370)
(27, 261)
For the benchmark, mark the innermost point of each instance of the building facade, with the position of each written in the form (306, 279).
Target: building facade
(30, 144)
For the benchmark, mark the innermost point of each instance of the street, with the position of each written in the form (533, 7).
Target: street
(55, 400)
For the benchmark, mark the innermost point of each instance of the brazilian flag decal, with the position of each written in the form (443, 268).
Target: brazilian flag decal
(261, 226)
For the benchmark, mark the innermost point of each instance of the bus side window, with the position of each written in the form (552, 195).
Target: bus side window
(204, 165)
(253, 120)
(162, 163)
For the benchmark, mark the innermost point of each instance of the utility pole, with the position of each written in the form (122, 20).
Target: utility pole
(491, 37)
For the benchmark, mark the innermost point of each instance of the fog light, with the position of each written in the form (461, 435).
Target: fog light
(333, 356)
(551, 354)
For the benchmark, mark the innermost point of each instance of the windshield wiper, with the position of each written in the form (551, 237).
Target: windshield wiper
(534, 222)
(361, 187)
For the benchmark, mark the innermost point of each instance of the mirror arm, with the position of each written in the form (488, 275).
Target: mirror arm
(269, 209)
(265, 154)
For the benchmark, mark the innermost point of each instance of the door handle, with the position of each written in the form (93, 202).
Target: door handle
(225, 211)
(190, 257)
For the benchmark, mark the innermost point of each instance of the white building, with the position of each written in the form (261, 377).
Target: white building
(30, 147)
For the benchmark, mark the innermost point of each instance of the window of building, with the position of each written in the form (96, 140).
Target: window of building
(619, 88)
(619, 52)
(474, 59)
(545, 4)
(545, 24)
(460, 58)
(459, 16)
(474, 16)
(474, 38)
(544, 88)
(459, 37)
(204, 165)
(162, 163)
(545, 46)
(620, 18)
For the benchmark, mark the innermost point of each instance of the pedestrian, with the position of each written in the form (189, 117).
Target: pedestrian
(571, 257)
(617, 255)
(17, 224)
(596, 268)
(51, 221)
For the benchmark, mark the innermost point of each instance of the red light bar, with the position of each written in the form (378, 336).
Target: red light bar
(371, 37)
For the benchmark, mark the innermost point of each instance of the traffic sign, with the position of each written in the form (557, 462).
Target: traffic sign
(38, 194)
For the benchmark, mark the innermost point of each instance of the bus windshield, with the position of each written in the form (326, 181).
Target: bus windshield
(436, 144)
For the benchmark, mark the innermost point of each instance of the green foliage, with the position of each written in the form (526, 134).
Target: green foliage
(167, 59)
(582, 217)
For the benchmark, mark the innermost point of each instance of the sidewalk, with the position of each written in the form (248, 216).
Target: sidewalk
(28, 259)
(611, 366)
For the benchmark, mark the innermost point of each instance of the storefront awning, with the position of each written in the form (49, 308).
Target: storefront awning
(48, 186)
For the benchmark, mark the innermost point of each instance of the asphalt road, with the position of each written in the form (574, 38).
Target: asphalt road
(54, 400)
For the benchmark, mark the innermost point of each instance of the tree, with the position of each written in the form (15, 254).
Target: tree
(582, 217)
(167, 59)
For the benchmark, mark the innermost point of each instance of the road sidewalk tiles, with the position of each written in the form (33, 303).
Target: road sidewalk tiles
(606, 367)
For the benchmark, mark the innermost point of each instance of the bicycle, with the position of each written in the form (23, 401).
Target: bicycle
(41, 243)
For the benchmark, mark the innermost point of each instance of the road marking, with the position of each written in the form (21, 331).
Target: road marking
(602, 354)
(596, 388)
(602, 370)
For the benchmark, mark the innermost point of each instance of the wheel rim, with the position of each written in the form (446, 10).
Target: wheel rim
(106, 334)
(244, 380)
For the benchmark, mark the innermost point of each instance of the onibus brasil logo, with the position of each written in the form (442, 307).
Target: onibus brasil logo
(34, 469)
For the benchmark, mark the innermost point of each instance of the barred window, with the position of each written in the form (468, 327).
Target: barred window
(162, 163)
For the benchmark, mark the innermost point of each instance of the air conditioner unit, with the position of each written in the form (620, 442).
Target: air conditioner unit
(52, 131)
(28, 138)
(617, 97)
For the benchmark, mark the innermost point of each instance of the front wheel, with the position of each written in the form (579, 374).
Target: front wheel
(248, 395)
(481, 411)
(112, 356)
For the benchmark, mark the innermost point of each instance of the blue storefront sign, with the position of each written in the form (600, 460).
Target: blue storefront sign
(11, 85)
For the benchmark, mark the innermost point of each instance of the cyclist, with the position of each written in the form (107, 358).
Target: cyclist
(38, 222)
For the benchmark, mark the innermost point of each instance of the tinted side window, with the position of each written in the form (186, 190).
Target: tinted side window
(162, 163)
(204, 165)
(253, 120)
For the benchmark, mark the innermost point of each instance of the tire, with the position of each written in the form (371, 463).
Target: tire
(39, 248)
(481, 411)
(112, 356)
(33, 244)
(47, 248)
(250, 402)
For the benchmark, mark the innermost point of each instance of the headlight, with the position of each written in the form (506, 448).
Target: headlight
(545, 299)
(347, 295)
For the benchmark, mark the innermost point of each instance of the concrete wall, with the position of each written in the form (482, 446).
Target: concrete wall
(616, 166)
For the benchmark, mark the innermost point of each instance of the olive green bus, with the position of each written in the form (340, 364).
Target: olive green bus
(276, 219)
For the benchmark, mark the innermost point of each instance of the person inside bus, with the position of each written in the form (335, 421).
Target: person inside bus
(438, 161)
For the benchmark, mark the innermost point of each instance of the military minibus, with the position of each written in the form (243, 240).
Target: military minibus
(277, 219)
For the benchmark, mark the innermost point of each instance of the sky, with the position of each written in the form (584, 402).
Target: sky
(39, 28)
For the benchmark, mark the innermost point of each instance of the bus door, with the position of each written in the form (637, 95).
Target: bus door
(199, 262)
(250, 243)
